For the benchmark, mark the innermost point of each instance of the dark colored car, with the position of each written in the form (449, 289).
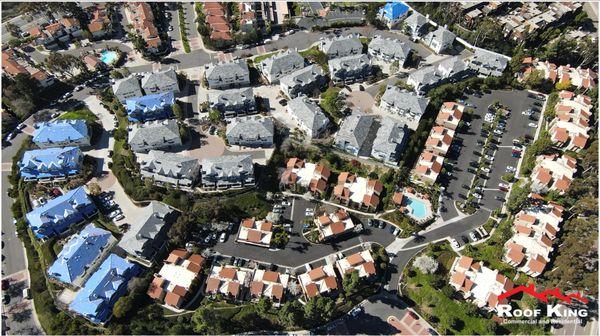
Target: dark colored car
(464, 239)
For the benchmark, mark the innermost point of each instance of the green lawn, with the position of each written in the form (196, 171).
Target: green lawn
(263, 57)
(83, 113)
(315, 55)
(445, 310)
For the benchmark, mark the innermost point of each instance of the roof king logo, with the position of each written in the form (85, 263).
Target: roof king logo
(543, 295)
(551, 310)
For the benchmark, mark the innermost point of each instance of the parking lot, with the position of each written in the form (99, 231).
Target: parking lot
(298, 250)
(470, 150)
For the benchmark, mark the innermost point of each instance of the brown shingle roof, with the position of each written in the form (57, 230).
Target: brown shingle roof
(227, 273)
(355, 259)
(233, 288)
(277, 291)
(254, 236)
(311, 290)
(270, 276)
(212, 285)
(173, 300)
(256, 288)
(331, 282)
(337, 227)
(317, 274)
(369, 267)
(155, 289)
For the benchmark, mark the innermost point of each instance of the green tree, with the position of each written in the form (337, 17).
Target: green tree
(207, 320)
(351, 282)
(123, 306)
(291, 314)
(177, 111)
(64, 64)
(331, 103)
(518, 196)
(13, 29)
(318, 310)
(214, 116)
(263, 306)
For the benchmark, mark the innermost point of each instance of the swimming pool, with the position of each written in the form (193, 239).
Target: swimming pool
(108, 56)
(418, 207)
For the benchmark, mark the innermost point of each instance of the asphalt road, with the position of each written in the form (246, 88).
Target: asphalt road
(299, 251)
(12, 251)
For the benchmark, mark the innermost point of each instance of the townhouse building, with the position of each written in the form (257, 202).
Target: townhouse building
(309, 176)
(233, 102)
(61, 213)
(81, 256)
(147, 236)
(304, 81)
(227, 171)
(251, 132)
(158, 134)
(48, 164)
(62, 133)
(309, 116)
(227, 75)
(170, 169)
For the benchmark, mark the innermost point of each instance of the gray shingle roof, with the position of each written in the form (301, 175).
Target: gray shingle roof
(159, 79)
(250, 128)
(389, 47)
(349, 63)
(426, 75)
(235, 68)
(281, 64)
(488, 62)
(443, 35)
(303, 76)
(127, 84)
(415, 21)
(227, 165)
(451, 66)
(407, 101)
(390, 137)
(341, 46)
(308, 113)
(231, 97)
(139, 239)
(354, 129)
(154, 134)
(171, 167)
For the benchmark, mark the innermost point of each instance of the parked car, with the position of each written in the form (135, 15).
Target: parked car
(532, 124)
(474, 236)
(118, 218)
(223, 237)
(464, 239)
(381, 224)
(454, 243)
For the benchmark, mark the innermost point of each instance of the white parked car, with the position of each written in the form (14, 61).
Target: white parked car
(477, 195)
(473, 236)
(223, 237)
(486, 169)
(454, 243)
(511, 169)
(532, 125)
(118, 218)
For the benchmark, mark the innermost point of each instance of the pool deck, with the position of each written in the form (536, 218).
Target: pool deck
(428, 208)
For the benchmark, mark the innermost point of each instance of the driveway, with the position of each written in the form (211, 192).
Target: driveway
(516, 126)
(20, 315)
(373, 317)
(299, 251)
(106, 142)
